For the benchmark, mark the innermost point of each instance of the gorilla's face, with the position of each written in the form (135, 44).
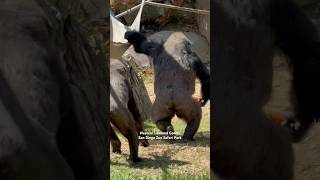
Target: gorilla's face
(139, 42)
(142, 45)
(134, 37)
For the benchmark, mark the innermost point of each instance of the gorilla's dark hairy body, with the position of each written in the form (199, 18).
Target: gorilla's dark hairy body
(124, 114)
(175, 70)
(246, 145)
(40, 131)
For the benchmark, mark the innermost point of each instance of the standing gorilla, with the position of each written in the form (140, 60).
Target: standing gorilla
(123, 111)
(246, 144)
(175, 70)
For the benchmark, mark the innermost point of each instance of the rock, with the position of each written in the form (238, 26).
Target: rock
(203, 20)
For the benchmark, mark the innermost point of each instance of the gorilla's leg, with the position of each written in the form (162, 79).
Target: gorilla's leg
(115, 142)
(124, 121)
(162, 115)
(190, 111)
(191, 129)
(138, 121)
(139, 128)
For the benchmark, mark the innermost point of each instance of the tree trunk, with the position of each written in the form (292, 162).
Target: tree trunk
(139, 90)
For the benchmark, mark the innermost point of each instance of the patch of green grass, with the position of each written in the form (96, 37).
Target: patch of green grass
(164, 160)
(125, 174)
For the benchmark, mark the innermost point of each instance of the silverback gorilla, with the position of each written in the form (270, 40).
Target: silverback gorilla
(124, 114)
(50, 95)
(246, 145)
(175, 70)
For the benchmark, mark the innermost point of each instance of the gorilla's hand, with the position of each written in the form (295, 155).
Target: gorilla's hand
(205, 91)
(297, 130)
(203, 101)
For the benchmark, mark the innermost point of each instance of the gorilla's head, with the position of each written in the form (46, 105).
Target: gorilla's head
(141, 44)
(137, 40)
(134, 37)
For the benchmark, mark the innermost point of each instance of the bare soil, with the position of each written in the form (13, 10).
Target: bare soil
(162, 158)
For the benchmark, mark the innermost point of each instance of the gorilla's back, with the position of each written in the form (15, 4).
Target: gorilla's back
(174, 75)
(118, 84)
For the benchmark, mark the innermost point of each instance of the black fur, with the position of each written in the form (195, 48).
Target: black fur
(246, 144)
(298, 38)
(142, 45)
(44, 134)
(204, 76)
(175, 70)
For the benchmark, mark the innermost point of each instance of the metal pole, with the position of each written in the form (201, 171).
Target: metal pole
(199, 11)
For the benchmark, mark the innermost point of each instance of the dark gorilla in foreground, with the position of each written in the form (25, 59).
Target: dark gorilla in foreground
(124, 114)
(52, 95)
(246, 145)
(175, 70)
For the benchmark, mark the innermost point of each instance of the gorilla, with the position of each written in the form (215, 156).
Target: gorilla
(246, 145)
(50, 115)
(175, 70)
(124, 114)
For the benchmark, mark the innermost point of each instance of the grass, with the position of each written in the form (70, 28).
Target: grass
(164, 160)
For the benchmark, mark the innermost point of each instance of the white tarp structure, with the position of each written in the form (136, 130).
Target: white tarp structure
(118, 29)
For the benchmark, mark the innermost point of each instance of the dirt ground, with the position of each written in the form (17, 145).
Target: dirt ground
(194, 156)
(307, 152)
(163, 159)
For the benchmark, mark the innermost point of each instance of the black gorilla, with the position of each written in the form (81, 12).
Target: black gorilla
(246, 144)
(124, 114)
(175, 70)
(52, 102)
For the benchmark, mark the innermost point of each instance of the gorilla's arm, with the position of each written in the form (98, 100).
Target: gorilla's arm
(203, 75)
(298, 38)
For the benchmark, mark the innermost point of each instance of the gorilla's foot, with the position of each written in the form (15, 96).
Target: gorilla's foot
(116, 147)
(165, 125)
(144, 142)
(186, 139)
(117, 151)
(297, 130)
(170, 128)
(135, 159)
(191, 129)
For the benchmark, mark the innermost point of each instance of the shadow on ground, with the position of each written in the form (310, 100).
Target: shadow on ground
(156, 162)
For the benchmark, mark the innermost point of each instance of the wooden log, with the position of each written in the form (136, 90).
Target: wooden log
(139, 90)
